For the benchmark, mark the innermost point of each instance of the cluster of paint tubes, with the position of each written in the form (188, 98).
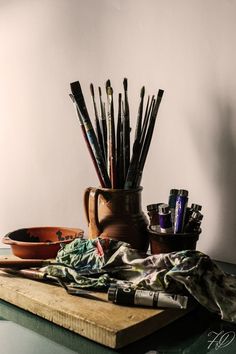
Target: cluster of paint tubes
(175, 217)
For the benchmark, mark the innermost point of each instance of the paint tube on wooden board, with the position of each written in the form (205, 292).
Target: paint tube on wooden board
(135, 297)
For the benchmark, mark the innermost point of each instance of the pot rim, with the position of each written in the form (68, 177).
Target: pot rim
(153, 234)
(119, 190)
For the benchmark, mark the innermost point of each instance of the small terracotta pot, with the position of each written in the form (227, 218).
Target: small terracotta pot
(117, 214)
(40, 242)
(169, 242)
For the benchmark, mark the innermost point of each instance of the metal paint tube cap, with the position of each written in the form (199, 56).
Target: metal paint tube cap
(183, 193)
(174, 191)
(164, 209)
(152, 207)
(196, 207)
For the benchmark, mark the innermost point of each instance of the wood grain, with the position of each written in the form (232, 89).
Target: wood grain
(101, 321)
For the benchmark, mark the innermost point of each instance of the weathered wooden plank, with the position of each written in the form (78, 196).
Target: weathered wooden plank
(99, 320)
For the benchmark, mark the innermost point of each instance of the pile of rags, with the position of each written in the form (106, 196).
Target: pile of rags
(176, 272)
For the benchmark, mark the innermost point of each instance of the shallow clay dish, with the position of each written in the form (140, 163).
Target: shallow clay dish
(40, 242)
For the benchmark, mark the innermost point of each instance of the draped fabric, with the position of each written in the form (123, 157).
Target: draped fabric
(95, 264)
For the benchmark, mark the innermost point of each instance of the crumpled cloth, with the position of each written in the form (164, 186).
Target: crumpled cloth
(176, 272)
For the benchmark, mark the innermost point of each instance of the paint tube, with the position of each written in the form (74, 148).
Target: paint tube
(194, 222)
(135, 297)
(189, 212)
(165, 218)
(180, 210)
(153, 213)
(172, 203)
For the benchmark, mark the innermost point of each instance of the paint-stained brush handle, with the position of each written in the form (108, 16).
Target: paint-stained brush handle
(26, 273)
(7, 262)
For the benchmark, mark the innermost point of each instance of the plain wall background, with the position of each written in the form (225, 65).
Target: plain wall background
(186, 47)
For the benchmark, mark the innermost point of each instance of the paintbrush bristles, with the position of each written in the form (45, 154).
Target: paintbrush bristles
(125, 84)
(92, 90)
(142, 93)
(160, 93)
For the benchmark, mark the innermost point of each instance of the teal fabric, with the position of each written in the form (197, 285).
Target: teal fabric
(85, 254)
(182, 272)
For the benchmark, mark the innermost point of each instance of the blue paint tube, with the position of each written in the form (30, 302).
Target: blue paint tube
(180, 210)
(165, 219)
(172, 203)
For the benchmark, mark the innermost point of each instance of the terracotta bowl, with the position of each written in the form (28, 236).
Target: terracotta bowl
(40, 242)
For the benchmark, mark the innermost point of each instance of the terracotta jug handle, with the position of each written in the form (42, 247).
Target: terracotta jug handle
(86, 203)
(91, 211)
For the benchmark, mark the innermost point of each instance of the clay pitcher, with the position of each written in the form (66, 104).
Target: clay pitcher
(117, 214)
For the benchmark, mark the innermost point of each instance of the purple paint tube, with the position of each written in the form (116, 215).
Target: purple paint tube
(172, 203)
(165, 218)
(180, 210)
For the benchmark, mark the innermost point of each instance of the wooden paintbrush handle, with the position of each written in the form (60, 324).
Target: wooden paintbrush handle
(8, 262)
(27, 273)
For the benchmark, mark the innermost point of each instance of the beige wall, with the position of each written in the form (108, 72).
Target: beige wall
(186, 47)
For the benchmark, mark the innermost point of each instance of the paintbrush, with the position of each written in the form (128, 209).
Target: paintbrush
(97, 124)
(130, 178)
(131, 174)
(145, 114)
(87, 141)
(108, 84)
(146, 119)
(140, 116)
(103, 123)
(126, 129)
(111, 152)
(8, 262)
(79, 98)
(118, 144)
(148, 138)
(24, 263)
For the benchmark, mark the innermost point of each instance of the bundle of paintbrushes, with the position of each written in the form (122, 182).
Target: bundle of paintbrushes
(118, 165)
